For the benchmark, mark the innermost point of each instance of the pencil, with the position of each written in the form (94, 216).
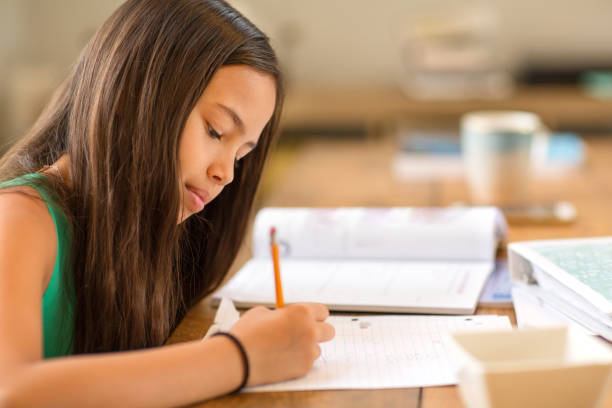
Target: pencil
(277, 278)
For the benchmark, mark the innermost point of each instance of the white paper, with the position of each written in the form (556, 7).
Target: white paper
(536, 307)
(374, 286)
(532, 312)
(400, 233)
(225, 318)
(370, 352)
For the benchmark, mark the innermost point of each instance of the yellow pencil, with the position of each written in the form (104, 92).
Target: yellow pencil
(277, 278)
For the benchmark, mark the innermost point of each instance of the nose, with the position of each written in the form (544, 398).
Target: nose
(221, 171)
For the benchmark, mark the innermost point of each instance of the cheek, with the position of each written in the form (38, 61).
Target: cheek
(192, 150)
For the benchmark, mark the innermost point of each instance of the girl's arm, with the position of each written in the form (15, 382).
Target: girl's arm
(167, 376)
(280, 344)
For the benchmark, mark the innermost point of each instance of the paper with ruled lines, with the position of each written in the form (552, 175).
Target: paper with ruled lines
(386, 352)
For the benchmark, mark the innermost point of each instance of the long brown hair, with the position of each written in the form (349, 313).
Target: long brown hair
(119, 117)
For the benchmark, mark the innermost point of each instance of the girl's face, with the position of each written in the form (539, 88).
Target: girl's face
(223, 127)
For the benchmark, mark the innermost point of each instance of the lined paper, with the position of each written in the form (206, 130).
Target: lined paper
(371, 352)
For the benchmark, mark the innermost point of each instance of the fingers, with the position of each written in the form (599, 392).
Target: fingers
(321, 331)
(257, 311)
(318, 311)
(317, 351)
(326, 332)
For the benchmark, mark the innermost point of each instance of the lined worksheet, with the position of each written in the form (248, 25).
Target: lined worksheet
(387, 352)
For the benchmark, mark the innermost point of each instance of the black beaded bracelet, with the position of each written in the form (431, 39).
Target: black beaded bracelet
(245, 360)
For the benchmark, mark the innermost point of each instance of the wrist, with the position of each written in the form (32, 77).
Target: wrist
(239, 347)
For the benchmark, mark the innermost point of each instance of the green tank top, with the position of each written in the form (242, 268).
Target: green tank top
(58, 301)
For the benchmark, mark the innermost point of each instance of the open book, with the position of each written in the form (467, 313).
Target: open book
(398, 259)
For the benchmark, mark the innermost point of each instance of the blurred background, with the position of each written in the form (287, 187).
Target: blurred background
(354, 67)
(363, 71)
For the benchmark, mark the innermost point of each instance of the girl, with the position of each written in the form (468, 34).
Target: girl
(126, 204)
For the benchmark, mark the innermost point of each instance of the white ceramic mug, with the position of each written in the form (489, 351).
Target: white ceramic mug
(499, 148)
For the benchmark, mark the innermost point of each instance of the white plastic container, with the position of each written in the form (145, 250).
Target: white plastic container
(541, 368)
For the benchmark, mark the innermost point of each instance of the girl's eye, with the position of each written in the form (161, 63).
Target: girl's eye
(213, 133)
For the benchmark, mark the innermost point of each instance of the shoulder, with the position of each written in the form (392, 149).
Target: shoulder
(23, 205)
(28, 245)
(27, 228)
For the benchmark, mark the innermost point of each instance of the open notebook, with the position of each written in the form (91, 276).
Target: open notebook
(398, 259)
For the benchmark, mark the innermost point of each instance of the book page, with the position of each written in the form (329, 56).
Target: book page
(393, 286)
(453, 233)
(386, 352)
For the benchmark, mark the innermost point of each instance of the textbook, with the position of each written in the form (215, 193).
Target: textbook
(397, 259)
(570, 277)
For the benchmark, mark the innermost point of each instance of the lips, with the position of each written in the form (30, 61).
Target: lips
(198, 197)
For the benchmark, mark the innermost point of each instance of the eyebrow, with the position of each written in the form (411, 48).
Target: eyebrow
(233, 115)
(237, 121)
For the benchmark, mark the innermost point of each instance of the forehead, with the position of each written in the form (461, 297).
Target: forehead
(248, 92)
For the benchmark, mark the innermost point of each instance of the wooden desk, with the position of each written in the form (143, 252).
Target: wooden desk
(358, 173)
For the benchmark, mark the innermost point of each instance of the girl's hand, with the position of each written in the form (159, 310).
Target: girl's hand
(282, 343)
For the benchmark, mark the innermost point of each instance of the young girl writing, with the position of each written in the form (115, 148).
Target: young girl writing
(126, 204)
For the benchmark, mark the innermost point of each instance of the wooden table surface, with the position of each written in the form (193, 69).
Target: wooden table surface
(358, 173)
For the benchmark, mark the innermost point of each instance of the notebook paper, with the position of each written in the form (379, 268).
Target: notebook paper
(386, 352)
